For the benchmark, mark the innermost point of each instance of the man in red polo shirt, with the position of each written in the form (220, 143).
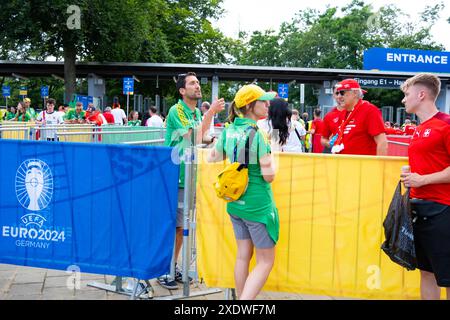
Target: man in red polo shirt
(362, 131)
(429, 180)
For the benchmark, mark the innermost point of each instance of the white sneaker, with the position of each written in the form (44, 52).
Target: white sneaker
(130, 284)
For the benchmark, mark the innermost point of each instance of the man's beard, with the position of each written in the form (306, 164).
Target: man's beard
(195, 96)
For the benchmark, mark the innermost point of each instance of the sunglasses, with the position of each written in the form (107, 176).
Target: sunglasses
(340, 92)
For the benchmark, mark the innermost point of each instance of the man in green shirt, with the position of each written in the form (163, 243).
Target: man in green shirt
(76, 116)
(186, 127)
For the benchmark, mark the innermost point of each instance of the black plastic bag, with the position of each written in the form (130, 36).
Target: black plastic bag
(398, 230)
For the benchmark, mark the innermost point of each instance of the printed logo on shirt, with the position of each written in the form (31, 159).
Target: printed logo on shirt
(335, 120)
(349, 128)
(426, 134)
(417, 133)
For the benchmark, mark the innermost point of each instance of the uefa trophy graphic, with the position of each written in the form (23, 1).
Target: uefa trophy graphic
(34, 185)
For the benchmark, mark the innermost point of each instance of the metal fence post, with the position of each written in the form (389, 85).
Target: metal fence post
(186, 220)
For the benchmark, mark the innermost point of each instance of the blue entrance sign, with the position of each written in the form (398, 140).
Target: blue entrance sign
(6, 91)
(128, 86)
(54, 214)
(283, 90)
(44, 92)
(406, 60)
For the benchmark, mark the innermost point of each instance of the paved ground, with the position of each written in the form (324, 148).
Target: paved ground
(27, 283)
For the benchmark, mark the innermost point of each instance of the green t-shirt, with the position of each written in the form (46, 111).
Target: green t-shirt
(32, 112)
(24, 117)
(257, 203)
(134, 123)
(73, 115)
(10, 115)
(179, 120)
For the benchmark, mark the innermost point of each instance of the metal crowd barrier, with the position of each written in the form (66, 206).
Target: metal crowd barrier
(125, 135)
(56, 131)
(398, 145)
(157, 142)
(189, 248)
(15, 133)
(83, 133)
(99, 135)
(53, 157)
(331, 210)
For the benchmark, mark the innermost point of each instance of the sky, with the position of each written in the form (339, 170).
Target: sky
(252, 15)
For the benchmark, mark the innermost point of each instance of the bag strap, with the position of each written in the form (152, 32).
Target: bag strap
(406, 189)
(298, 134)
(246, 154)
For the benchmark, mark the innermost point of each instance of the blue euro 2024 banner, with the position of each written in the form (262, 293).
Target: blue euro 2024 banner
(105, 209)
(406, 60)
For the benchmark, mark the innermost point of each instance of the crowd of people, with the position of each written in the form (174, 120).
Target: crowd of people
(114, 115)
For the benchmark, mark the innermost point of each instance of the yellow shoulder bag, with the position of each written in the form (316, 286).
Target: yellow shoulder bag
(232, 182)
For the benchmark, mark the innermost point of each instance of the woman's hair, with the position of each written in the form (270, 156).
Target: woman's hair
(22, 104)
(130, 116)
(235, 112)
(280, 118)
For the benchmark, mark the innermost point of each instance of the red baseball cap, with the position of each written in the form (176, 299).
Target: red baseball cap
(349, 84)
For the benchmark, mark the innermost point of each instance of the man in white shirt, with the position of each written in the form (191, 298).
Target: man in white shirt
(49, 118)
(120, 117)
(154, 120)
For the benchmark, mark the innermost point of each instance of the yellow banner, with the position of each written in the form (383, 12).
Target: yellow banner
(331, 211)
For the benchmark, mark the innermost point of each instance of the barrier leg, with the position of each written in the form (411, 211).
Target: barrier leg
(230, 294)
(173, 262)
(138, 290)
(116, 287)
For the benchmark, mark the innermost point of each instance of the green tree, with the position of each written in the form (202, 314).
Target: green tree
(91, 30)
(111, 30)
(265, 49)
(337, 38)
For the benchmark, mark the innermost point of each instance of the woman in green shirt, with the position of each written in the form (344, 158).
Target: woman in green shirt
(22, 115)
(254, 215)
(133, 119)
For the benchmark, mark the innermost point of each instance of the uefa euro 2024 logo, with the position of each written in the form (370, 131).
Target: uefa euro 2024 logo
(34, 184)
(34, 191)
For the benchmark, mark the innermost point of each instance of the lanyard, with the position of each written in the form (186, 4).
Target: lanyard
(346, 122)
